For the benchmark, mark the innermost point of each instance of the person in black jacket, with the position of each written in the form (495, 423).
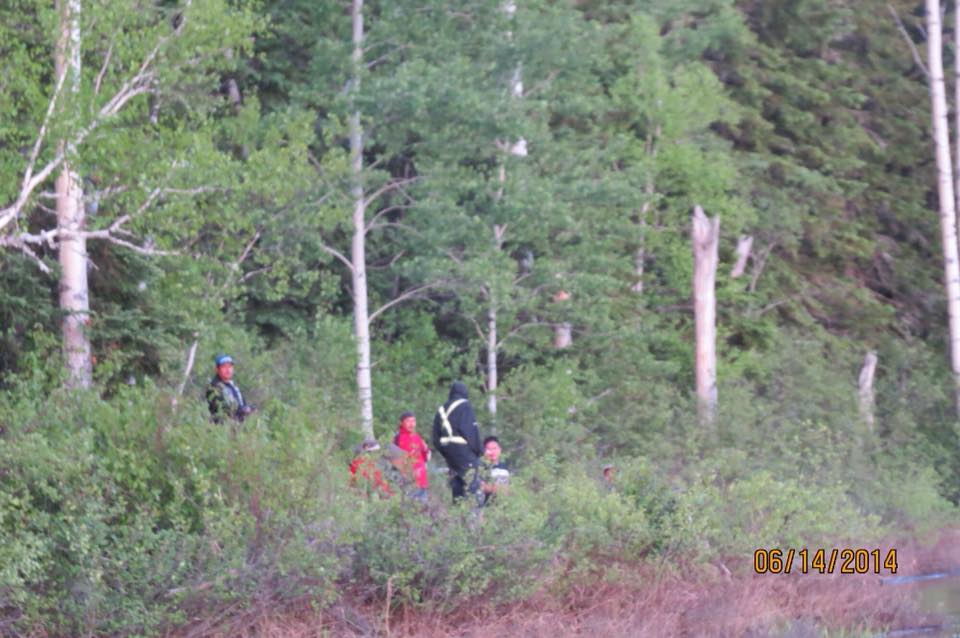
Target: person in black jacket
(457, 438)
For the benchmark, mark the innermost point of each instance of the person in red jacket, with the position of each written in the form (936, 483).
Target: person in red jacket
(417, 453)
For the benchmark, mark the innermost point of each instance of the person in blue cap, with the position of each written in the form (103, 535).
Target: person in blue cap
(223, 396)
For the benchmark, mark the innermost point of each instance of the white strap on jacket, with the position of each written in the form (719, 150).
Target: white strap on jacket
(447, 428)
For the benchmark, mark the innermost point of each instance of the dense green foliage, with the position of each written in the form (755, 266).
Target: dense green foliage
(800, 122)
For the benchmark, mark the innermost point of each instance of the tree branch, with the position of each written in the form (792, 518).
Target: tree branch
(407, 294)
(103, 69)
(137, 85)
(25, 249)
(336, 253)
(409, 229)
(35, 152)
(906, 36)
(191, 355)
(516, 330)
(253, 273)
(389, 186)
(476, 325)
(389, 264)
(372, 224)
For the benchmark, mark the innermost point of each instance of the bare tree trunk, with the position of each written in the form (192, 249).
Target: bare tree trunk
(492, 359)
(358, 258)
(493, 345)
(945, 187)
(956, 106)
(562, 331)
(518, 149)
(71, 217)
(867, 373)
(706, 236)
(640, 256)
(563, 335)
(744, 244)
(188, 367)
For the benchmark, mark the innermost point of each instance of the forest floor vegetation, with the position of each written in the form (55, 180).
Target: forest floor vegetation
(645, 598)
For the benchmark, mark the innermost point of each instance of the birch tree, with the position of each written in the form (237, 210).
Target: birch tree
(358, 258)
(71, 218)
(865, 395)
(945, 186)
(84, 131)
(373, 194)
(517, 148)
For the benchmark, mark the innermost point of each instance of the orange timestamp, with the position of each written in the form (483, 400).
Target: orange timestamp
(824, 561)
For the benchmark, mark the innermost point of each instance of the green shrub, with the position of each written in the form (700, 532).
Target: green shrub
(450, 556)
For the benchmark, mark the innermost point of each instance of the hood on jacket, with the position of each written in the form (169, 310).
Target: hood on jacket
(457, 391)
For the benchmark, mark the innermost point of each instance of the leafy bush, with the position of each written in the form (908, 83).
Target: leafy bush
(113, 515)
(127, 514)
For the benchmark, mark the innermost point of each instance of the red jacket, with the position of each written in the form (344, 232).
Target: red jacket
(365, 469)
(417, 450)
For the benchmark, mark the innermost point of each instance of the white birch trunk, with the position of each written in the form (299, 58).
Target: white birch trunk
(867, 373)
(956, 107)
(706, 235)
(358, 257)
(563, 335)
(640, 256)
(493, 345)
(744, 245)
(492, 359)
(518, 149)
(71, 217)
(945, 187)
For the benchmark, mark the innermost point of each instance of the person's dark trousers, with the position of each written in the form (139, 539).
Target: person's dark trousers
(458, 486)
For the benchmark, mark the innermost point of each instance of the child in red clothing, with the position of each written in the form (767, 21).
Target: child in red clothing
(417, 452)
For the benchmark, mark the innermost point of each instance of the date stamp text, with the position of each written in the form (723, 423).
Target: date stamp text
(824, 561)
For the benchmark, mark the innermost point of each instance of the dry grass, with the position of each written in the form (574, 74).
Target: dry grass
(642, 600)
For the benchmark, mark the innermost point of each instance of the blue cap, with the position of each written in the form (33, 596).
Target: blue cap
(222, 359)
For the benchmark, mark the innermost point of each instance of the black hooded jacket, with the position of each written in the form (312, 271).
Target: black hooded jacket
(463, 423)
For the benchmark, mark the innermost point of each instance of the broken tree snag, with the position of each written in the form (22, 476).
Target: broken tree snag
(563, 331)
(563, 335)
(705, 237)
(744, 244)
(867, 373)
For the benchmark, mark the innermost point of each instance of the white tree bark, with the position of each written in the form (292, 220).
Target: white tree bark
(562, 331)
(563, 335)
(640, 256)
(945, 187)
(492, 360)
(744, 245)
(705, 236)
(71, 216)
(493, 345)
(517, 149)
(956, 106)
(358, 258)
(867, 373)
